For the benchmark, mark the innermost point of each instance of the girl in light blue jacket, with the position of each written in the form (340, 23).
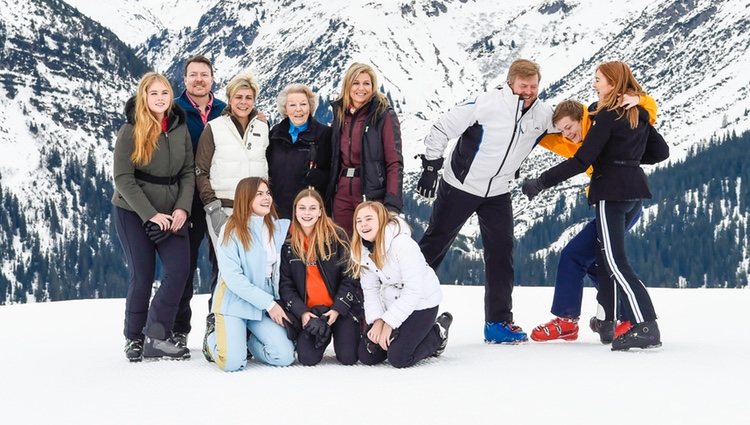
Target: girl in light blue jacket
(245, 297)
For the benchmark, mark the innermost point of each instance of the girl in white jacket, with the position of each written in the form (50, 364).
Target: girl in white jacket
(401, 292)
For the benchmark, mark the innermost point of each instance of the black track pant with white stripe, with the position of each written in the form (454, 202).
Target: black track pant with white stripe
(612, 220)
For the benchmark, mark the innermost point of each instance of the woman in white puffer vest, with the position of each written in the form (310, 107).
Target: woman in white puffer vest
(231, 147)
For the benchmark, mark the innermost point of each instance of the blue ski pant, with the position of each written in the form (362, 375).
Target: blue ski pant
(577, 260)
(267, 343)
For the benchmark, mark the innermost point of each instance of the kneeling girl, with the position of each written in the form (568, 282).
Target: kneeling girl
(315, 287)
(401, 292)
(245, 296)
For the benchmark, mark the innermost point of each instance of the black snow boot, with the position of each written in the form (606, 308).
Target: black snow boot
(134, 349)
(443, 323)
(605, 329)
(164, 348)
(642, 335)
(210, 328)
(179, 339)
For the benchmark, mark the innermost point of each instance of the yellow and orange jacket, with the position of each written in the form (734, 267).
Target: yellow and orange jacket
(566, 148)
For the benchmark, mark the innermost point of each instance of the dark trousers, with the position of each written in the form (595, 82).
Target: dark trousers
(156, 320)
(612, 220)
(418, 338)
(346, 334)
(449, 213)
(348, 196)
(197, 231)
(577, 260)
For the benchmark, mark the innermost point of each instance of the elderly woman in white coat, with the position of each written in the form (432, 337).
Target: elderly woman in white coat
(401, 292)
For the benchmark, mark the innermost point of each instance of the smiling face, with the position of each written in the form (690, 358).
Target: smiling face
(307, 211)
(158, 98)
(569, 128)
(263, 200)
(198, 79)
(297, 108)
(242, 103)
(526, 88)
(361, 91)
(367, 224)
(602, 85)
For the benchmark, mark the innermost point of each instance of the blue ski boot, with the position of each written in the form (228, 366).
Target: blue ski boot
(503, 333)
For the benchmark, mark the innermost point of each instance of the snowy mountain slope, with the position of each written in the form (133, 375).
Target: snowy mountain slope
(64, 364)
(136, 20)
(64, 79)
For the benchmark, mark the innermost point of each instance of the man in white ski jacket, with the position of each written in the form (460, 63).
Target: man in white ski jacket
(497, 132)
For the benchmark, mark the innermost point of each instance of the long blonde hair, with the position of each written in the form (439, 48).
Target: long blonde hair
(147, 128)
(619, 75)
(378, 253)
(324, 236)
(346, 101)
(244, 196)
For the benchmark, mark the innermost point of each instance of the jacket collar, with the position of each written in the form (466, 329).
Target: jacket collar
(175, 115)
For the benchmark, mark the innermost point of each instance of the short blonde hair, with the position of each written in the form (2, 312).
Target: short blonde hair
(523, 68)
(296, 89)
(243, 81)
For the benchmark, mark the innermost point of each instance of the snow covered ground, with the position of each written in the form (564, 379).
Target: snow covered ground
(62, 363)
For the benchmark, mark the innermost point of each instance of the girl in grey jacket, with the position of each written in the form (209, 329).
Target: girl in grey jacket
(401, 292)
(154, 179)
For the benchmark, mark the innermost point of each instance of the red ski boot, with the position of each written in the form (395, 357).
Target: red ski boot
(557, 328)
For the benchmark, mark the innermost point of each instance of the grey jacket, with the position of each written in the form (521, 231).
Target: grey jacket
(173, 157)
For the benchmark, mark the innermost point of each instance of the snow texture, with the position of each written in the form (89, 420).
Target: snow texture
(63, 363)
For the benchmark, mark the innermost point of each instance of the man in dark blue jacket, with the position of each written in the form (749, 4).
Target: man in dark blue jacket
(200, 106)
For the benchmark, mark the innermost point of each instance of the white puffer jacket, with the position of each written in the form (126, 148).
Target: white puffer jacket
(236, 157)
(405, 283)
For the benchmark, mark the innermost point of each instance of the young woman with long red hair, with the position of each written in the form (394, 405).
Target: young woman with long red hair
(615, 146)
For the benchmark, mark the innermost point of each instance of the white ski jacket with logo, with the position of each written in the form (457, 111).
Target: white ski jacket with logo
(495, 138)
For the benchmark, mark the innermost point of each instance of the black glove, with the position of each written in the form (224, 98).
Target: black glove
(427, 184)
(532, 187)
(154, 232)
(318, 328)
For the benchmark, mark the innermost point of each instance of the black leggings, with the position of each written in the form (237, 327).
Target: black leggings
(612, 220)
(418, 338)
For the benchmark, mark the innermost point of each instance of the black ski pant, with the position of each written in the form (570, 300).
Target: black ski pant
(450, 211)
(416, 339)
(197, 231)
(346, 334)
(612, 220)
(156, 320)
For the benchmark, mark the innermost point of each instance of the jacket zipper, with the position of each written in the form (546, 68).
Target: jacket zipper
(507, 151)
